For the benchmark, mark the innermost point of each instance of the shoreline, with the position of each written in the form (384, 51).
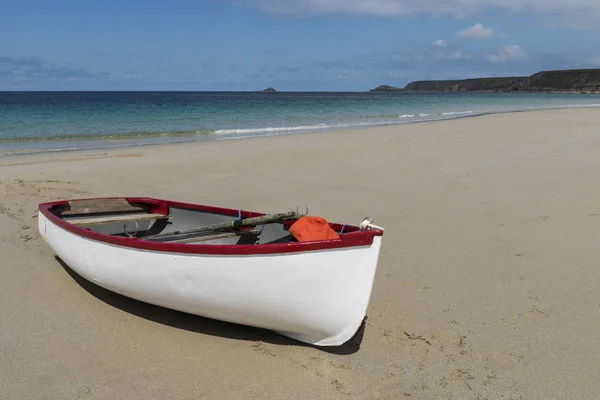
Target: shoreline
(366, 133)
(179, 139)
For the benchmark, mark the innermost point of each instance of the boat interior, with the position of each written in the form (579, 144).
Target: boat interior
(173, 222)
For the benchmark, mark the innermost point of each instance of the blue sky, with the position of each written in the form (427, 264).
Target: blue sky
(288, 44)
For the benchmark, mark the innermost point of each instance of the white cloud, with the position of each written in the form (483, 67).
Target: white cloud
(575, 13)
(440, 43)
(477, 31)
(507, 54)
(26, 68)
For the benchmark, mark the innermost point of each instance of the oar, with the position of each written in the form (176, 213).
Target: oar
(206, 238)
(265, 219)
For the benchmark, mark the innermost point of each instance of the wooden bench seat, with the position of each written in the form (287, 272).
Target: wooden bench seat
(107, 219)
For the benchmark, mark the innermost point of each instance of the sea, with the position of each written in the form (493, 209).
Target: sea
(33, 122)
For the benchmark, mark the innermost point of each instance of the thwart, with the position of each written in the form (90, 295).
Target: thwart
(300, 276)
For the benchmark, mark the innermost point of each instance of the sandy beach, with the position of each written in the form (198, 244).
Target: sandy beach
(487, 285)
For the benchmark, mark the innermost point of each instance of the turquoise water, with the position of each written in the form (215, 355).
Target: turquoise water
(54, 121)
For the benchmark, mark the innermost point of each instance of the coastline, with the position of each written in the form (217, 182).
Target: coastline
(401, 90)
(103, 144)
(488, 265)
(579, 81)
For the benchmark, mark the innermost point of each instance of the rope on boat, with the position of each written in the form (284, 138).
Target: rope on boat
(301, 215)
(137, 229)
(261, 229)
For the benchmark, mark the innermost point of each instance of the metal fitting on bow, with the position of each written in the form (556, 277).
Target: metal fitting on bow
(368, 224)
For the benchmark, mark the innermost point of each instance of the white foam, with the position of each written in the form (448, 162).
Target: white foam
(458, 113)
(283, 129)
(406, 116)
(271, 129)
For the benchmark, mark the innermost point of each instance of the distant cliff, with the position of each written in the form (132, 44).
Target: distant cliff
(566, 81)
(469, 85)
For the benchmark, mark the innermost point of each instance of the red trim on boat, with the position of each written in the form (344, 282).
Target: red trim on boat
(352, 236)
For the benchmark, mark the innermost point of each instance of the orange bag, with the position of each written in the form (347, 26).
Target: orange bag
(308, 229)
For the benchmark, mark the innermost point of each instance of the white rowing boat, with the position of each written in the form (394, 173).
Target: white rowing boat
(251, 272)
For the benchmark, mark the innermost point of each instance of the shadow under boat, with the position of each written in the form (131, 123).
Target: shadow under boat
(205, 326)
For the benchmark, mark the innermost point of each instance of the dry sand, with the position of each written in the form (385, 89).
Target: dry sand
(488, 284)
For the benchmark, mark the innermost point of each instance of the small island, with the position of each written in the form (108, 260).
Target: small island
(564, 81)
(269, 90)
(386, 88)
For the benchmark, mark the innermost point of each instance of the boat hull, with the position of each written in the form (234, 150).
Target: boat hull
(317, 297)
